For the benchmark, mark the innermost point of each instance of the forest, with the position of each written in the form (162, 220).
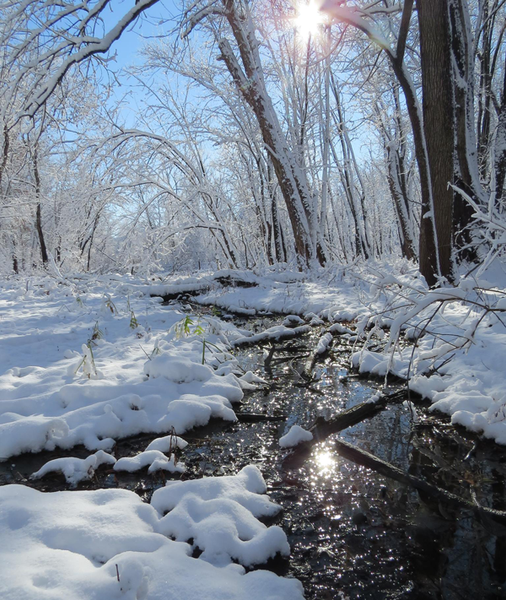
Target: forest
(252, 134)
(252, 297)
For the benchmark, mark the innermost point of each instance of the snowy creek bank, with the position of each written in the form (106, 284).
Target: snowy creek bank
(352, 533)
(168, 423)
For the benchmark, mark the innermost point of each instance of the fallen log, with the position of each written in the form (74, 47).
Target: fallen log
(234, 280)
(322, 428)
(365, 459)
(273, 334)
(255, 417)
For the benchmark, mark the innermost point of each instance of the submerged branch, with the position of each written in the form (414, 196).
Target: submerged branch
(365, 459)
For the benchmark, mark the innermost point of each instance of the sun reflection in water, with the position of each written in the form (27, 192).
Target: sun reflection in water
(324, 462)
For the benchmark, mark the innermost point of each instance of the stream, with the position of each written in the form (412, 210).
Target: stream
(354, 534)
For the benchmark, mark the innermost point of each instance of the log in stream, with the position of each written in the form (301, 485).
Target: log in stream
(365, 459)
(322, 429)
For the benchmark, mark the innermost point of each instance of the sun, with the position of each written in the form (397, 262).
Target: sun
(308, 18)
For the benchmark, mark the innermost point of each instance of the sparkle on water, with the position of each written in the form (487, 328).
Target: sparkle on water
(325, 461)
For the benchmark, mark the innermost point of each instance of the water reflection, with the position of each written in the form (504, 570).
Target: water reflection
(352, 533)
(325, 461)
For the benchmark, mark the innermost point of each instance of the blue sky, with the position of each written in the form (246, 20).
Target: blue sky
(126, 49)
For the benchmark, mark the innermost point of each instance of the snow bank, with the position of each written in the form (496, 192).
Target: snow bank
(457, 362)
(220, 516)
(109, 545)
(141, 376)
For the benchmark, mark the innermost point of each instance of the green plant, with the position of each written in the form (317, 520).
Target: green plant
(199, 330)
(182, 328)
(133, 320)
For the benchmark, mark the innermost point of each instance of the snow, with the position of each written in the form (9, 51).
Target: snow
(457, 362)
(276, 333)
(90, 360)
(75, 469)
(156, 460)
(295, 436)
(324, 343)
(141, 384)
(148, 374)
(177, 371)
(167, 443)
(108, 544)
(220, 515)
(292, 321)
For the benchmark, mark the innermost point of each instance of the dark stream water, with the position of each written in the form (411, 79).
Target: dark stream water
(354, 534)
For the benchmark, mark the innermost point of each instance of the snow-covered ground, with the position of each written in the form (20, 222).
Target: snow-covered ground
(108, 544)
(89, 360)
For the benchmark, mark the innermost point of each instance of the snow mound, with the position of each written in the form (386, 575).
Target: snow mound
(247, 488)
(178, 369)
(295, 436)
(29, 434)
(106, 545)
(156, 460)
(75, 469)
(219, 515)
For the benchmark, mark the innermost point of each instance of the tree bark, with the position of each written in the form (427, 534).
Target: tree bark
(466, 168)
(38, 214)
(439, 128)
(500, 148)
(251, 85)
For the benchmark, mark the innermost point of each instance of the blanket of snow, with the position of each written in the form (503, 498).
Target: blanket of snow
(144, 378)
(108, 544)
(150, 378)
(88, 360)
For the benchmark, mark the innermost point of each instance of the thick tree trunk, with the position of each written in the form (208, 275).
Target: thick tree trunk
(438, 117)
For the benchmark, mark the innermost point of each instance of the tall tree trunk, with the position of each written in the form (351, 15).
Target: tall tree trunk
(439, 127)
(250, 83)
(38, 214)
(500, 148)
(429, 261)
(466, 168)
